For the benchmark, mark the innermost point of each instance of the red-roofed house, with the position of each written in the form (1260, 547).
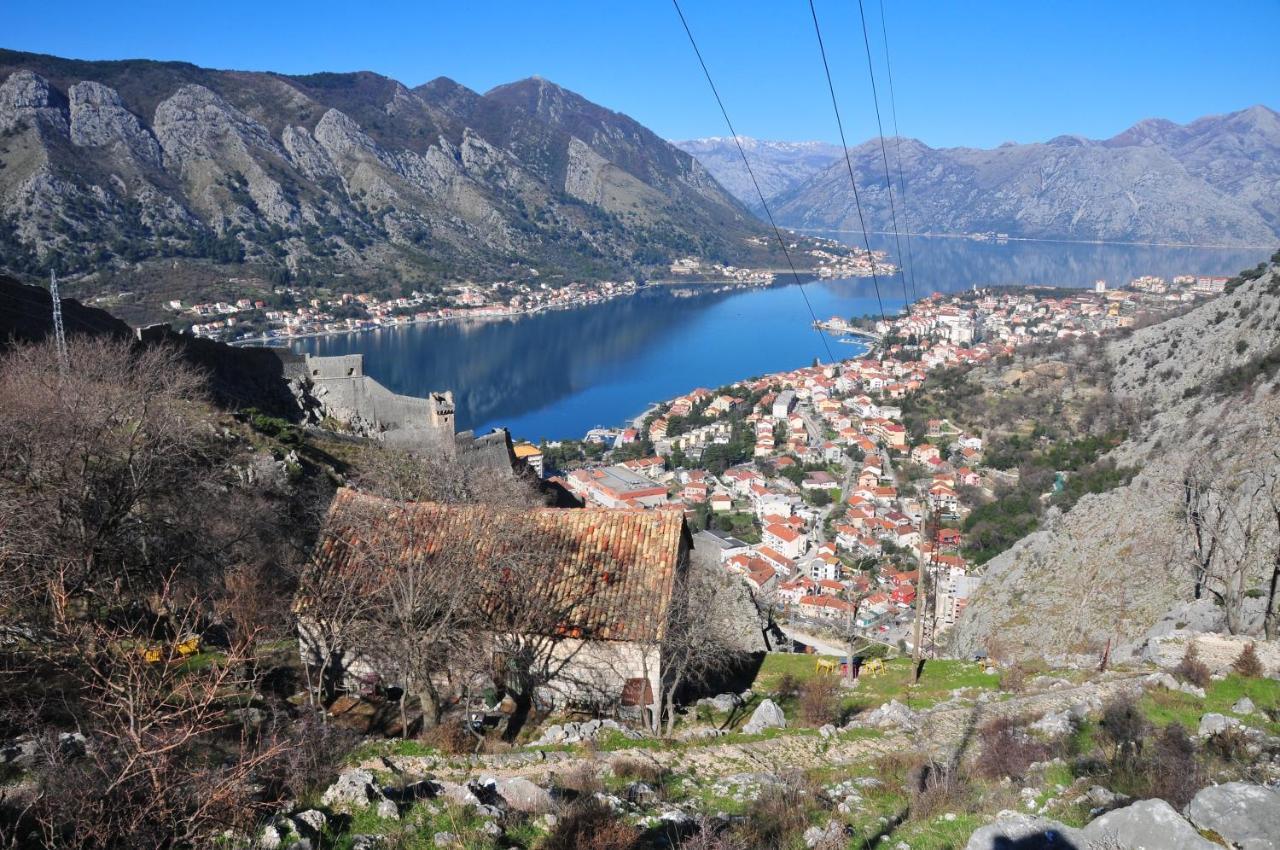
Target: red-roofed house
(784, 539)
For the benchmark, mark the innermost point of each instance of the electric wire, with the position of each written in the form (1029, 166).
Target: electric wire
(884, 156)
(764, 205)
(844, 146)
(897, 145)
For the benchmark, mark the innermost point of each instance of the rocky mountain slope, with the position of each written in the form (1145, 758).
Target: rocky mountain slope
(1215, 180)
(109, 164)
(778, 166)
(1118, 566)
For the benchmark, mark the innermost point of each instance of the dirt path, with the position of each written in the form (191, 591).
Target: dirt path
(940, 732)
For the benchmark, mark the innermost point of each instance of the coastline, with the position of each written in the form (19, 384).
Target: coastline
(277, 341)
(486, 317)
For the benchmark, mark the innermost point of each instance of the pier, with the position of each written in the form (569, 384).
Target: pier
(840, 326)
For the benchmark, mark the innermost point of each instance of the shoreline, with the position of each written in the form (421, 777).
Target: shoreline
(275, 341)
(510, 314)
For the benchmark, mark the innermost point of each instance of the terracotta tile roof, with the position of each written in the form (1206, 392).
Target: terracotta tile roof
(621, 564)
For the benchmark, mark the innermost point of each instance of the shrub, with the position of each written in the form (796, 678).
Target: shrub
(778, 816)
(1248, 664)
(452, 737)
(1172, 770)
(639, 770)
(583, 780)
(935, 788)
(1014, 679)
(788, 687)
(1123, 726)
(314, 756)
(820, 701)
(1007, 750)
(1191, 668)
(710, 835)
(1230, 745)
(589, 824)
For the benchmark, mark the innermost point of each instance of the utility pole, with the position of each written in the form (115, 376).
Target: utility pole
(917, 649)
(59, 337)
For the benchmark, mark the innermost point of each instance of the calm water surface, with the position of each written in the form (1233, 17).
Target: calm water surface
(555, 375)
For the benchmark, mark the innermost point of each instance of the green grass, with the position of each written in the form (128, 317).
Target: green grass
(1164, 707)
(393, 747)
(417, 828)
(939, 833)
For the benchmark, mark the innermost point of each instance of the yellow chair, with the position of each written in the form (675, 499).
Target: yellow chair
(152, 654)
(190, 646)
(824, 665)
(874, 667)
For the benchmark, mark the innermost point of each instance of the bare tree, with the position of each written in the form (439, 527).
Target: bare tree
(144, 770)
(421, 608)
(96, 465)
(125, 526)
(698, 643)
(1229, 538)
(541, 605)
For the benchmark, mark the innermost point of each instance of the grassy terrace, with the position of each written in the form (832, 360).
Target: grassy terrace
(876, 780)
(775, 680)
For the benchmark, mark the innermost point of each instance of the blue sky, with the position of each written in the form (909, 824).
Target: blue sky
(966, 72)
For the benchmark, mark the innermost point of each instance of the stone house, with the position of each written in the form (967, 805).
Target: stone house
(619, 568)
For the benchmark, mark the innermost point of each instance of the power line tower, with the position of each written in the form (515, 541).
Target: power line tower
(59, 336)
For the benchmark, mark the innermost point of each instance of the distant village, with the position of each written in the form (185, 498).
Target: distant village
(807, 484)
(248, 320)
(292, 313)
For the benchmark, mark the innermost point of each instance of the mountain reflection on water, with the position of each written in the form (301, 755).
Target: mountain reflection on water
(555, 374)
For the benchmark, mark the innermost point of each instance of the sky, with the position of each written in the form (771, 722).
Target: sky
(965, 72)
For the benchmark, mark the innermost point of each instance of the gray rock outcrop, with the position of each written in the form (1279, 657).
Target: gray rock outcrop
(891, 715)
(99, 119)
(1026, 832)
(1213, 723)
(354, 791)
(1149, 824)
(766, 716)
(1127, 548)
(1246, 815)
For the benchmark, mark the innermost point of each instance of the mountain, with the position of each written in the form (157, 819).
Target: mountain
(1117, 569)
(105, 165)
(1215, 180)
(778, 166)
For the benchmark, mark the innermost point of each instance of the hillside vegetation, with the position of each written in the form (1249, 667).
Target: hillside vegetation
(1191, 526)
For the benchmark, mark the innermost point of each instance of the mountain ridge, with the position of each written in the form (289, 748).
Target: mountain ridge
(173, 168)
(1215, 179)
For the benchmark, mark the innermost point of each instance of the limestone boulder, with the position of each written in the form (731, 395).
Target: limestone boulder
(1246, 815)
(1026, 832)
(1213, 723)
(1149, 824)
(521, 795)
(354, 791)
(766, 716)
(891, 715)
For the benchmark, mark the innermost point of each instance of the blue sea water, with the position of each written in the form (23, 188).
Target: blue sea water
(554, 375)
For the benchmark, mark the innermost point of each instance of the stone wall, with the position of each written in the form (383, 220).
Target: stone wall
(366, 407)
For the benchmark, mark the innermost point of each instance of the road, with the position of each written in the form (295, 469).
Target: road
(816, 438)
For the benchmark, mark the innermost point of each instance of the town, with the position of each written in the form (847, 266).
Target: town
(809, 485)
(299, 314)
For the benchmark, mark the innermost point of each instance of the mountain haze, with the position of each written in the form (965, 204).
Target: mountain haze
(107, 164)
(1213, 181)
(778, 166)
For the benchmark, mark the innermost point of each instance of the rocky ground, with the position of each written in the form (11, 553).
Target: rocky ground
(1115, 570)
(915, 771)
